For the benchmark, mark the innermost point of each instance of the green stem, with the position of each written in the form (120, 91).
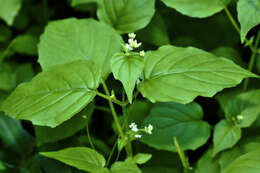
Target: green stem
(89, 138)
(111, 153)
(113, 111)
(128, 148)
(108, 97)
(234, 23)
(184, 160)
(252, 59)
(7, 50)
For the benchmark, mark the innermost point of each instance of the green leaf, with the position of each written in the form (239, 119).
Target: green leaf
(247, 163)
(66, 129)
(156, 32)
(80, 157)
(5, 33)
(198, 8)
(123, 167)
(142, 158)
(227, 157)
(175, 75)
(174, 120)
(26, 44)
(55, 95)
(7, 76)
(248, 16)
(9, 9)
(14, 136)
(225, 136)
(126, 15)
(246, 105)
(207, 164)
(127, 69)
(73, 39)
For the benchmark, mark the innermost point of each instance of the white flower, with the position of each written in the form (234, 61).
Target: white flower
(133, 43)
(142, 53)
(138, 136)
(127, 46)
(131, 35)
(133, 127)
(149, 129)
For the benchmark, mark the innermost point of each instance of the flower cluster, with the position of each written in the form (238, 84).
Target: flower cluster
(147, 129)
(133, 44)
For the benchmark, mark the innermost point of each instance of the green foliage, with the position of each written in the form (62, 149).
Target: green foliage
(182, 78)
(78, 40)
(121, 167)
(79, 157)
(207, 163)
(68, 128)
(80, 92)
(199, 8)
(9, 9)
(226, 135)
(248, 16)
(247, 163)
(127, 69)
(126, 15)
(49, 99)
(173, 120)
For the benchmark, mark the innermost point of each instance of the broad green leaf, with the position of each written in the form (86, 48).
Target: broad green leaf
(55, 95)
(9, 9)
(73, 39)
(141, 158)
(80, 157)
(66, 129)
(248, 16)
(227, 157)
(156, 32)
(207, 164)
(126, 15)
(127, 69)
(174, 120)
(246, 105)
(123, 167)
(247, 163)
(181, 74)
(14, 136)
(198, 8)
(26, 44)
(225, 136)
